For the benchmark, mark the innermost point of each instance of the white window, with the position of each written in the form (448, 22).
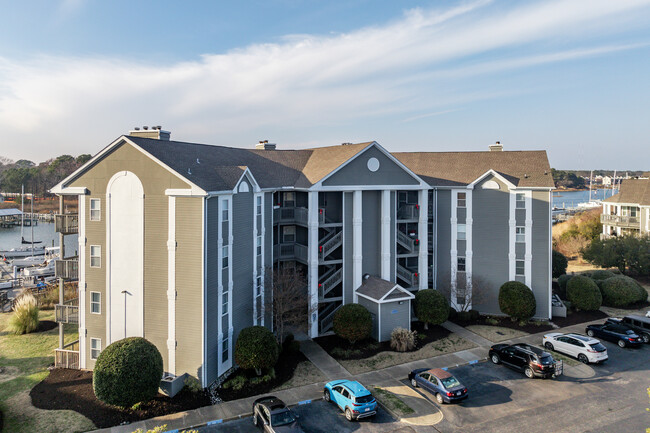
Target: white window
(95, 347)
(461, 264)
(95, 209)
(224, 210)
(521, 200)
(289, 199)
(95, 256)
(224, 304)
(520, 234)
(224, 256)
(224, 350)
(288, 234)
(520, 267)
(258, 287)
(259, 245)
(259, 205)
(95, 302)
(462, 199)
(462, 228)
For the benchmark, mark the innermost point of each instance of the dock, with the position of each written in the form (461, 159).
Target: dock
(27, 219)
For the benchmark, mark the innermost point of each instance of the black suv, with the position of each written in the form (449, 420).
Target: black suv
(533, 361)
(639, 324)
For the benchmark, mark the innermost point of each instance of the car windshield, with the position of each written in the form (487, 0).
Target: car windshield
(363, 399)
(282, 418)
(546, 359)
(598, 347)
(450, 382)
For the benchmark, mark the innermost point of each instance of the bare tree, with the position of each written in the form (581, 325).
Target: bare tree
(286, 298)
(463, 297)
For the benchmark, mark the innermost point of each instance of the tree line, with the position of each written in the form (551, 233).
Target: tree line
(39, 178)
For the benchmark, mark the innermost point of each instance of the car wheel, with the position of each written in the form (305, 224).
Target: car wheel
(529, 373)
(348, 414)
(645, 338)
(439, 399)
(414, 383)
(548, 345)
(582, 358)
(326, 396)
(495, 358)
(621, 343)
(590, 333)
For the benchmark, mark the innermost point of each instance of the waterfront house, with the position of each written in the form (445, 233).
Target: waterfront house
(175, 238)
(627, 212)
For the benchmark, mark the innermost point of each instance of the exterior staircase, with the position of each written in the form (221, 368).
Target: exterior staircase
(328, 281)
(406, 241)
(408, 276)
(330, 242)
(326, 318)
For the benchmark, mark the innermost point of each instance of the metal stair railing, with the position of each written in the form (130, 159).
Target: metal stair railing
(407, 275)
(327, 247)
(327, 321)
(405, 240)
(328, 284)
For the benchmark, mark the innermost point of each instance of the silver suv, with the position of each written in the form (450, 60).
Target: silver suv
(586, 349)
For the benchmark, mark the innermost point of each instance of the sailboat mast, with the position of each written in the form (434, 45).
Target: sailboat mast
(32, 222)
(22, 212)
(591, 179)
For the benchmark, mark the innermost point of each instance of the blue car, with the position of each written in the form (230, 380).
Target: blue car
(351, 397)
(442, 384)
(618, 333)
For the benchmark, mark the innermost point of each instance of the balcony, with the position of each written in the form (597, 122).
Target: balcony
(296, 215)
(411, 278)
(630, 222)
(408, 212)
(66, 224)
(68, 357)
(67, 269)
(68, 312)
(290, 251)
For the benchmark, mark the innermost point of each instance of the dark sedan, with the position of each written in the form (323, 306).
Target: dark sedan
(619, 334)
(442, 384)
(273, 416)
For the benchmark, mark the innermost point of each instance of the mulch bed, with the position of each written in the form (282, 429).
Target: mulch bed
(0, 420)
(46, 325)
(575, 317)
(284, 369)
(73, 390)
(504, 322)
(369, 347)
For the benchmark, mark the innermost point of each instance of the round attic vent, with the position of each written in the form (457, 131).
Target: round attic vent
(373, 164)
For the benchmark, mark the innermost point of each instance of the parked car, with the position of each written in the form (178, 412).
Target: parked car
(615, 332)
(641, 325)
(442, 384)
(274, 416)
(586, 349)
(531, 360)
(351, 397)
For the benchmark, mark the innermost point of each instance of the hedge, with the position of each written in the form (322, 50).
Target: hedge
(583, 293)
(431, 307)
(620, 292)
(517, 300)
(560, 264)
(601, 274)
(562, 282)
(352, 322)
(256, 348)
(128, 372)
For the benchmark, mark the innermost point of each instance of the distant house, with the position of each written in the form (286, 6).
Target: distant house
(627, 212)
(175, 238)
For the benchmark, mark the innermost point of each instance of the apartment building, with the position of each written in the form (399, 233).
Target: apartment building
(627, 212)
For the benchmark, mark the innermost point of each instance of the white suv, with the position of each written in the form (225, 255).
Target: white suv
(586, 349)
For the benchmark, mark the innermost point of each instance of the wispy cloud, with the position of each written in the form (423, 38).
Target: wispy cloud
(403, 68)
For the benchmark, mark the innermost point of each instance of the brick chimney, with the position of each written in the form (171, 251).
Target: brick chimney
(155, 132)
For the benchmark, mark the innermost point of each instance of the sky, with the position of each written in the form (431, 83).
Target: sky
(568, 77)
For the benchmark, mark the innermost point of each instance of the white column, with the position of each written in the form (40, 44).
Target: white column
(81, 212)
(220, 285)
(423, 259)
(231, 345)
(171, 284)
(468, 245)
(512, 226)
(528, 270)
(357, 254)
(385, 235)
(255, 263)
(453, 248)
(262, 269)
(312, 275)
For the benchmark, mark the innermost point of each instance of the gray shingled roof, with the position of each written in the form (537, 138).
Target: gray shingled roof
(632, 191)
(376, 288)
(522, 168)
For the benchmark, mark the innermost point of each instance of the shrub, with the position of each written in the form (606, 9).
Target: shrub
(192, 384)
(127, 372)
(236, 383)
(601, 274)
(353, 322)
(402, 340)
(431, 307)
(25, 318)
(562, 282)
(256, 348)
(560, 264)
(290, 345)
(620, 291)
(583, 293)
(517, 300)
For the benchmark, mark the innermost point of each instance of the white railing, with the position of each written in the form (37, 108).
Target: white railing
(329, 283)
(290, 251)
(408, 212)
(621, 221)
(68, 312)
(298, 215)
(405, 240)
(67, 269)
(66, 223)
(407, 275)
(330, 244)
(68, 357)
(327, 321)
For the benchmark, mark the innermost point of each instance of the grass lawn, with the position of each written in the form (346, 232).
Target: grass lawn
(24, 359)
(305, 373)
(391, 401)
(452, 343)
(496, 334)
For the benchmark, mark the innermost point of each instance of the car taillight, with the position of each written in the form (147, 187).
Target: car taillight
(592, 351)
(465, 390)
(631, 339)
(355, 404)
(450, 394)
(537, 365)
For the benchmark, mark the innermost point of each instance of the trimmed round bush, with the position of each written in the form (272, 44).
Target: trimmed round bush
(352, 322)
(619, 291)
(601, 274)
(562, 282)
(517, 300)
(431, 307)
(256, 348)
(560, 264)
(583, 293)
(128, 372)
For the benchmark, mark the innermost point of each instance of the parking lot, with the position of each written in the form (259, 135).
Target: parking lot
(594, 398)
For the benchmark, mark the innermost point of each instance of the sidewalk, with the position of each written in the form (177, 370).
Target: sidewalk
(322, 360)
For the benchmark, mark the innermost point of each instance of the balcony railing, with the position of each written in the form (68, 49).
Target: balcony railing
(298, 215)
(408, 212)
(68, 357)
(621, 221)
(67, 269)
(66, 223)
(408, 276)
(68, 312)
(290, 251)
